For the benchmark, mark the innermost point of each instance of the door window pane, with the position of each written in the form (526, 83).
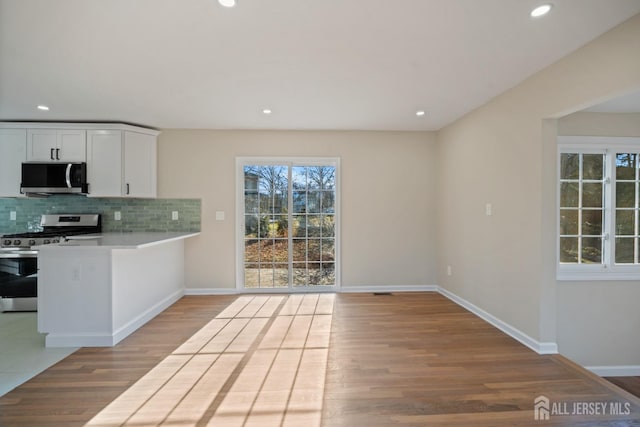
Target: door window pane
(328, 226)
(591, 250)
(314, 199)
(569, 166)
(625, 222)
(569, 249)
(592, 195)
(592, 166)
(625, 250)
(281, 275)
(569, 194)
(626, 166)
(299, 201)
(314, 225)
(568, 221)
(328, 273)
(625, 194)
(313, 250)
(328, 250)
(299, 250)
(591, 222)
(299, 226)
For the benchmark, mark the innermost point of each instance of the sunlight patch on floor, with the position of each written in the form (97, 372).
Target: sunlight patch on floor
(247, 367)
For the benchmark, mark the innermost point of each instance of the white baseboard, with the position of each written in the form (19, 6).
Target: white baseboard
(211, 291)
(109, 340)
(344, 289)
(76, 340)
(372, 289)
(143, 318)
(616, 371)
(538, 347)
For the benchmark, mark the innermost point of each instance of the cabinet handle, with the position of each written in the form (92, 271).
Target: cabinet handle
(57, 154)
(51, 155)
(127, 188)
(67, 175)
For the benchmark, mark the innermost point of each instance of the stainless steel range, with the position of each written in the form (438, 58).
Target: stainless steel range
(19, 258)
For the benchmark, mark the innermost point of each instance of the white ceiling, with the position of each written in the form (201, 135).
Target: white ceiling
(318, 64)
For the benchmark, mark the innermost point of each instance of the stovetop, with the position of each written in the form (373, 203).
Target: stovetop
(54, 229)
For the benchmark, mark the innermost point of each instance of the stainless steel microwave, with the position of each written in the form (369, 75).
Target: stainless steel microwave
(54, 178)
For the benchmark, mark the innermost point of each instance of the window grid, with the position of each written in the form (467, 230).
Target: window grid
(582, 212)
(292, 210)
(620, 236)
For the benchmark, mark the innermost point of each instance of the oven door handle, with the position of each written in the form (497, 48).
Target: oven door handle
(68, 175)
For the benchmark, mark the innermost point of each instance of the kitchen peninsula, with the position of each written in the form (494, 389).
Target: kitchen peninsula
(93, 291)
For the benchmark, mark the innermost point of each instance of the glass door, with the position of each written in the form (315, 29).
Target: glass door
(288, 225)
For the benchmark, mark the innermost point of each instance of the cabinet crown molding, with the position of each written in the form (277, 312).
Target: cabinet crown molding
(79, 125)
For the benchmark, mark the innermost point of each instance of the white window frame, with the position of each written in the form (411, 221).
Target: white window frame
(607, 270)
(241, 162)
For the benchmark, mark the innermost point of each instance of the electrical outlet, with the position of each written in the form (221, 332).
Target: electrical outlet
(488, 209)
(117, 215)
(219, 215)
(449, 271)
(174, 215)
(12, 216)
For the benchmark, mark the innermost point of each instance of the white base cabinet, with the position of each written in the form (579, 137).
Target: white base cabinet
(95, 297)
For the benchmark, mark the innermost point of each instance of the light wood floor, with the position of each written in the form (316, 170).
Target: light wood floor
(345, 360)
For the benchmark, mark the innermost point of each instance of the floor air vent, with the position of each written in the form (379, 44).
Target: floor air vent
(382, 293)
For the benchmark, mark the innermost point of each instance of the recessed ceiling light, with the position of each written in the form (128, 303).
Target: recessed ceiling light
(227, 3)
(43, 108)
(419, 113)
(267, 111)
(541, 10)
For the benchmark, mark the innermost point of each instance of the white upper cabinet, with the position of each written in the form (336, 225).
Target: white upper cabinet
(13, 152)
(104, 163)
(53, 145)
(140, 153)
(121, 158)
(121, 163)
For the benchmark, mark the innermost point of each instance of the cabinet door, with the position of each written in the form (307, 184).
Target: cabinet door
(41, 145)
(139, 165)
(51, 145)
(71, 146)
(13, 151)
(104, 163)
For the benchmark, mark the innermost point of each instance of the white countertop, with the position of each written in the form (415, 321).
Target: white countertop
(135, 240)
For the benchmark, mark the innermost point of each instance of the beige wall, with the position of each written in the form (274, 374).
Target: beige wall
(599, 124)
(387, 193)
(504, 153)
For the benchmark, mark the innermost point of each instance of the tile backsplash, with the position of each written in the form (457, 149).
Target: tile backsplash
(136, 214)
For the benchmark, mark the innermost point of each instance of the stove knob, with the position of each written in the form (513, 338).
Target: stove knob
(55, 241)
(46, 241)
(17, 242)
(7, 242)
(32, 242)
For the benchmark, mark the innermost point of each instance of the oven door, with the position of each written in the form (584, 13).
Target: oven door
(18, 280)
